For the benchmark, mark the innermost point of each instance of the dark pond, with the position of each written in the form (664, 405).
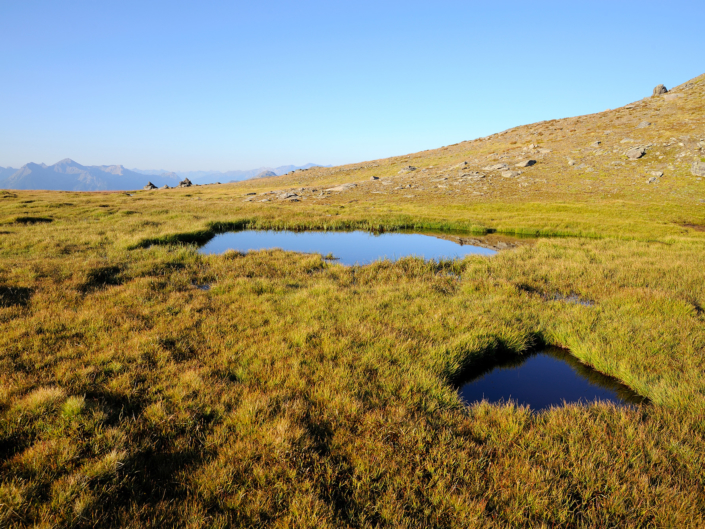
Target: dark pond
(348, 247)
(549, 378)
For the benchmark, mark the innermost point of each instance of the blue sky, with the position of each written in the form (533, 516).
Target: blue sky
(234, 85)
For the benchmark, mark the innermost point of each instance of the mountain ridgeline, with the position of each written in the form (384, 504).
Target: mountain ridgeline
(68, 175)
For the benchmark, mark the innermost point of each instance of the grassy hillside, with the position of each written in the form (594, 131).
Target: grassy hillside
(299, 393)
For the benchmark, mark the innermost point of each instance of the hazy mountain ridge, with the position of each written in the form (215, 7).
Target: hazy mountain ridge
(68, 175)
(6, 172)
(237, 175)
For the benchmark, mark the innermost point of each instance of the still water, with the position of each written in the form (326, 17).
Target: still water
(348, 247)
(545, 379)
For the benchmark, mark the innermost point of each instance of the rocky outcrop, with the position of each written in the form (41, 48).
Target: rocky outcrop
(660, 89)
(635, 153)
(526, 163)
(496, 167)
(185, 183)
(343, 187)
(698, 168)
(149, 186)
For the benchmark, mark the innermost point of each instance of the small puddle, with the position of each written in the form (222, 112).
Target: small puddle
(542, 380)
(346, 247)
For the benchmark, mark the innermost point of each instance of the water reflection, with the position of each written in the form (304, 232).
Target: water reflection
(346, 247)
(541, 380)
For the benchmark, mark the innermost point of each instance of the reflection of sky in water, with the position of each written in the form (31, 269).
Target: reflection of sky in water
(544, 380)
(351, 247)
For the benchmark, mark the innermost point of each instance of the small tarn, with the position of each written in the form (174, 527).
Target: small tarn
(345, 247)
(552, 377)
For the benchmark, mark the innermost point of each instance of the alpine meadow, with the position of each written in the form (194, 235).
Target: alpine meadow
(146, 384)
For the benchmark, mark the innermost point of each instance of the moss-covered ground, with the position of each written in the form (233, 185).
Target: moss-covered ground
(299, 393)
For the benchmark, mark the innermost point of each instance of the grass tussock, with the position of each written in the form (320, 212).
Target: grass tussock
(145, 385)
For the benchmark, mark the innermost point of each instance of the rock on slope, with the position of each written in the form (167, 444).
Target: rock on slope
(652, 149)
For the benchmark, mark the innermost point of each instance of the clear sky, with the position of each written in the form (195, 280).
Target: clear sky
(239, 84)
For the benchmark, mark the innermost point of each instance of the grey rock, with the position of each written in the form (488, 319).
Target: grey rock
(526, 163)
(660, 89)
(165, 187)
(496, 167)
(285, 196)
(510, 174)
(658, 174)
(596, 143)
(407, 169)
(185, 183)
(571, 161)
(698, 168)
(343, 187)
(149, 186)
(374, 177)
(635, 153)
(643, 124)
(652, 180)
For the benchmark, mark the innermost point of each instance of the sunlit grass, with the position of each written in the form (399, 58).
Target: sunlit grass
(299, 392)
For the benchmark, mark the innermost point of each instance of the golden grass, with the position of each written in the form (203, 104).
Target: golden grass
(299, 393)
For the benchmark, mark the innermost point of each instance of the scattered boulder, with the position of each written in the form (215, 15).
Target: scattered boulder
(526, 163)
(658, 174)
(510, 174)
(643, 125)
(407, 169)
(343, 187)
(652, 180)
(635, 153)
(165, 187)
(285, 196)
(660, 89)
(698, 168)
(374, 177)
(571, 161)
(596, 143)
(149, 186)
(185, 183)
(496, 167)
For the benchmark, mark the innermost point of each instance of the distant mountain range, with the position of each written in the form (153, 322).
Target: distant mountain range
(209, 177)
(68, 175)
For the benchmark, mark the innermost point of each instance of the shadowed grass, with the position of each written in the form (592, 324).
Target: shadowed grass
(296, 392)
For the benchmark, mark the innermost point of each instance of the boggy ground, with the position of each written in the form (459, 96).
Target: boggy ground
(298, 393)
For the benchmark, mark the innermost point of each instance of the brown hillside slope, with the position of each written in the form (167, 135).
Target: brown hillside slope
(143, 384)
(581, 158)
